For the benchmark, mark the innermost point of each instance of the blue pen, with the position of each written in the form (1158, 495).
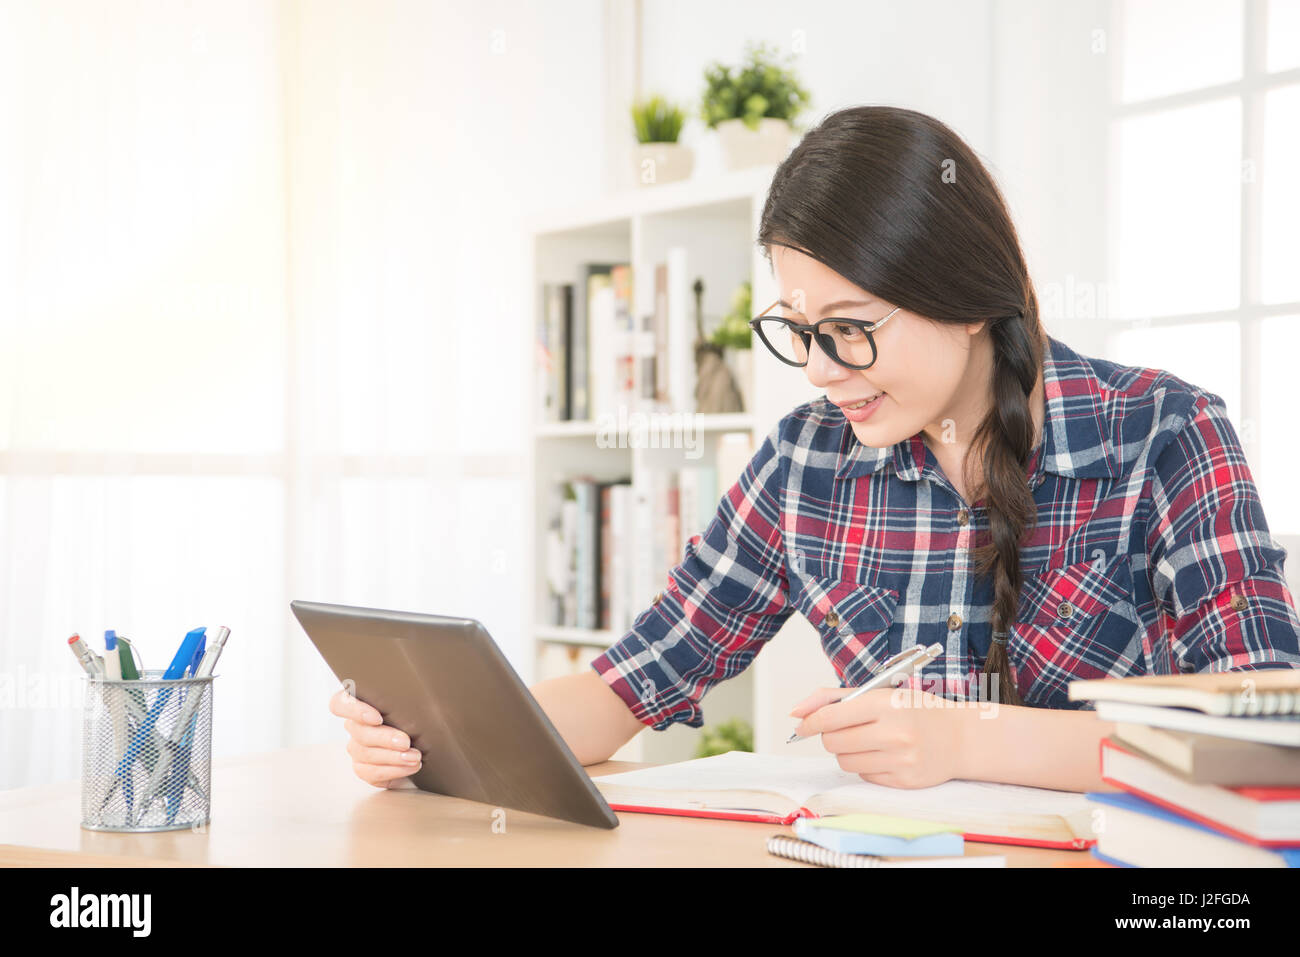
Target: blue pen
(184, 654)
(192, 665)
(174, 783)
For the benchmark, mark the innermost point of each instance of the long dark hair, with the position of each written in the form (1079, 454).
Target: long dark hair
(896, 203)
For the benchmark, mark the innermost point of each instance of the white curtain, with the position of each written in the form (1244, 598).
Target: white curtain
(261, 288)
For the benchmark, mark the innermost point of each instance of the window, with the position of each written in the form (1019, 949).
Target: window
(1204, 211)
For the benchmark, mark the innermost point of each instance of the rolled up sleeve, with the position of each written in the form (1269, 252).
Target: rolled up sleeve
(722, 603)
(1216, 572)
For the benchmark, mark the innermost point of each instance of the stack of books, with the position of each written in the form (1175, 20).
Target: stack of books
(1209, 767)
(610, 544)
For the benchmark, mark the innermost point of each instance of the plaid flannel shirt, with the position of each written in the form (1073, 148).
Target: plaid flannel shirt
(1150, 554)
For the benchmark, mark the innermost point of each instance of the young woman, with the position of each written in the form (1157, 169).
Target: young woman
(1042, 515)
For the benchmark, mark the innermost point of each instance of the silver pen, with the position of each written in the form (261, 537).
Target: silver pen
(170, 744)
(91, 664)
(905, 662)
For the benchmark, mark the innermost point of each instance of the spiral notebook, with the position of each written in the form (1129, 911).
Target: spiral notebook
(742, 786)
(798, 850)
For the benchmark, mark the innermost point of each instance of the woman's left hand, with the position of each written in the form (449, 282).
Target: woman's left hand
(903, 738)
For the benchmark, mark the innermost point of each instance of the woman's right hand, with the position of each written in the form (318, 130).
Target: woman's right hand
(381, 755)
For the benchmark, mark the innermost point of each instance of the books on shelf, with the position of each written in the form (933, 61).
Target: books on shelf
(1208, 766)
(601, 334)
(596, 355)
(576, 547)
(611, 543)
(580, 332)
(553, 335)
(681, 331)
(654, 348)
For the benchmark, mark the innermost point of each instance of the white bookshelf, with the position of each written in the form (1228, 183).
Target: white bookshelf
(717, 219)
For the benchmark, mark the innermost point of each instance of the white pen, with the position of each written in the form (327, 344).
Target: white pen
(905, 662)
(209, 660)
(114, 694)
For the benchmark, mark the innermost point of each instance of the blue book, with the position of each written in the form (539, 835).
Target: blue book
(1178, 841)
(1109, 860)
(944, 844)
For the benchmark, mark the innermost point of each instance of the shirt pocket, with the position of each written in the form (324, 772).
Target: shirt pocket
(1076, 622)
(853, 619)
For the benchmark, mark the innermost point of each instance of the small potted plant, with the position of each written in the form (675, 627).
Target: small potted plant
(659, 157)
(754, 110)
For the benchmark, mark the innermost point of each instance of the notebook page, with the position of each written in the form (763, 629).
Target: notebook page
(801, 777)
(964, 798)
(795, 777)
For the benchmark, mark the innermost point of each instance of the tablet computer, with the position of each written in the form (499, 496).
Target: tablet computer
(444, 682)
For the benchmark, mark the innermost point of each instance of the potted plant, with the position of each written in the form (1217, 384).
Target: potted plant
(659, 157)
(735, 338)
(754, 110)
(733, 735)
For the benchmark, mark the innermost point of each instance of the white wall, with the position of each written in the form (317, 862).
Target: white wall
(262, 321)
(929, 56)
(422, 135)
(1051, 69)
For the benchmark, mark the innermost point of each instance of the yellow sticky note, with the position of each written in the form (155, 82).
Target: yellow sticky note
(904, 827)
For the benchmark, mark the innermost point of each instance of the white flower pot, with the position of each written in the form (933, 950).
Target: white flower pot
(741, 363)
(743, 147)
(662, 163)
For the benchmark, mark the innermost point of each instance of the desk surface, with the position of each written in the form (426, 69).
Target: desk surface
(304, 807)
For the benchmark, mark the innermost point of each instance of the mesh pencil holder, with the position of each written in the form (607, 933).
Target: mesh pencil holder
(146, 762)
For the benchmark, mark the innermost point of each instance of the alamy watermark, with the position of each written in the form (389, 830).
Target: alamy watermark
(21, 689)
(650, 430)
(979, 691)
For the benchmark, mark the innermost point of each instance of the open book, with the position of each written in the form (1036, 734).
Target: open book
(743, 786)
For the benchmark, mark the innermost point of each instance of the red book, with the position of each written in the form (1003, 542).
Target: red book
(1263, 816)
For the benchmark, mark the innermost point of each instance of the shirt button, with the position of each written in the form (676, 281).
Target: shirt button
(833, 619)
(656, 599)
(963, 517)
(954, 622)
(1238, 602)
(1065, 609)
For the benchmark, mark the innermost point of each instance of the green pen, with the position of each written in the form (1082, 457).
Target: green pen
(130, 673)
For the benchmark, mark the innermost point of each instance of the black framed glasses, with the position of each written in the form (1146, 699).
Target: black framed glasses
(847, 341)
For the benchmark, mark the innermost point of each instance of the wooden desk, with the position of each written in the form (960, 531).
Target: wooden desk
(304, 807)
